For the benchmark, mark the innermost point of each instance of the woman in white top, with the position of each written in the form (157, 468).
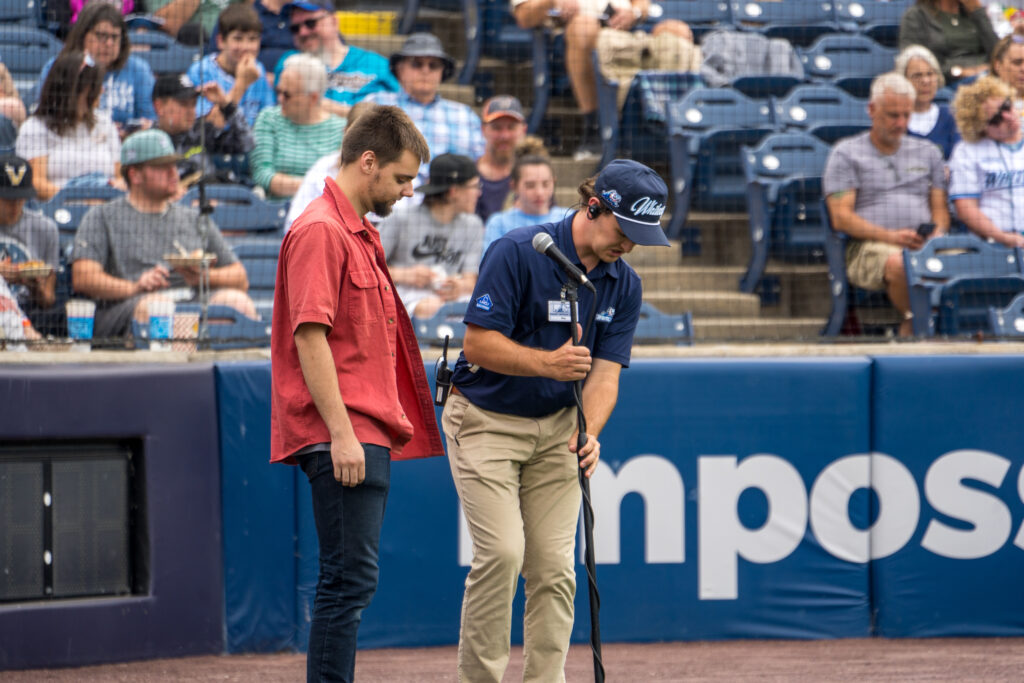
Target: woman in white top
(67, 138)
(987, 167)
(927, 120)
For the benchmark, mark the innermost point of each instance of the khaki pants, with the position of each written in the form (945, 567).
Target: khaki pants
(517, 482)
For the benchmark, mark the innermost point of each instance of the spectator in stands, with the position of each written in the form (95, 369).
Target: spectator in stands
(121, 247)
(582, 20)
(504, 127)
(197, 17)
(11, 106)
(880, 186)
(353, 73)
(174, 98)
(68, 139)
(1008, 65)
(533, 188)
(327, 166)
(235, 66)
(76, 7)
(433, 249)
(275, 39)
(36, 236)
(986, 167)
(957, 32)
(449, 127)
(128, 85)
(293, 135)
(928, 120)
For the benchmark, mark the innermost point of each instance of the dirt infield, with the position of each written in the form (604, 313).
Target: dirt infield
(947, 659)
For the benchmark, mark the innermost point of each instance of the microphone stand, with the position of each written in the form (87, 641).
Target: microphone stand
(572, 294)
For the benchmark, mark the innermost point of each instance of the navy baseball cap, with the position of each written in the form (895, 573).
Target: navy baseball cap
(309, 6)
(636, 196)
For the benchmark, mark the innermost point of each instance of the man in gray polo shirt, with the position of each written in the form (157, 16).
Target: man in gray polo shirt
(121, 248)
(880, 186)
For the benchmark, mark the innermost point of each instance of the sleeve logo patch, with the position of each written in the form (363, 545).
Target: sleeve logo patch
(606, 315)
(484, 302)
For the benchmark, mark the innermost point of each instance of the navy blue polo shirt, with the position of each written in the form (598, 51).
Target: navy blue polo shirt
(515, 292)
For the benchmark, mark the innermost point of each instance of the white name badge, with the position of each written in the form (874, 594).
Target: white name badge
(558, 312)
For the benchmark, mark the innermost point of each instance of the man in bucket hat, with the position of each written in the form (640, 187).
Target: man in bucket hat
(510, 420)
(449, 127)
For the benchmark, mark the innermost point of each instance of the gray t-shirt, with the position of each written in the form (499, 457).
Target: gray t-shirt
(38, 235)
(413, 237)
(892, 190)
(127, 242)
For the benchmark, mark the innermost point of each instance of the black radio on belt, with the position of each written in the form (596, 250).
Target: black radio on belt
(442, 376)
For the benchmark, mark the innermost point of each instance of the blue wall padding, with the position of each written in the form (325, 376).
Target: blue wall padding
(172, 410)
(924, 409)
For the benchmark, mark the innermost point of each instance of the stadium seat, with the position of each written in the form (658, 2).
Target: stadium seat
(25, 50)
(800, 22)
(12, 249)
(702, 16)
(877, 20)
(238, 211)
(259, 256)
(163, 54)
(849, 61)
(784, 205)
(24, 12)
(707, 129)
(70, 204)
(954, 279)
(470, 12)
(824, 111)
(655, 327)
(226, 328)
(447, 321)
(754, 64)
(1008, 321)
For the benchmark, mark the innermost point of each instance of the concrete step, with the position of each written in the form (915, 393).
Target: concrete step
(382, 45)
(642, 257)
(721, 304)
(720, 329)
(460, 93)
(724, 239)
(690, 278)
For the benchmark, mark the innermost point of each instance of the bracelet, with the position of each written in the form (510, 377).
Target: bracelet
(228, 109)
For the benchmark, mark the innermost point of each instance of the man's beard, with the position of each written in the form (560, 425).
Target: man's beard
(382, 208)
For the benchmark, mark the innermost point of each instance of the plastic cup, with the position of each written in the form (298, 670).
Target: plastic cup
(161, 325)
(81, 313)
(186, 331)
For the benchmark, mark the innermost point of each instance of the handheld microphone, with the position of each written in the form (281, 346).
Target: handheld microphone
(543, 243)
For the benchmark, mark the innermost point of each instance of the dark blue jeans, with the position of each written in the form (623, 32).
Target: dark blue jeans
(348, 522)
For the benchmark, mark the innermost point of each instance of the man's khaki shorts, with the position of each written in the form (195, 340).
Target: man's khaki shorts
(865, 263)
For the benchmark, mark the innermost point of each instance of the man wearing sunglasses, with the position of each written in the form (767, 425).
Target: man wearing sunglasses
(352, 73)
(987, 168)
(881, 186)
(450, 127)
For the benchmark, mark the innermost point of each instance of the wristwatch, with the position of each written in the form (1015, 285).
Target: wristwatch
(228, 109)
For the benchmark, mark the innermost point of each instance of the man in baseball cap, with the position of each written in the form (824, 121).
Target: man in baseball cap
(635, 195)
(503, 128)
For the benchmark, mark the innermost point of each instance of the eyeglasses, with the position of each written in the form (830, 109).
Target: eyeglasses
(107, 37)
(923, 76)
(308, 23)
(1005, 107)
(431, 63)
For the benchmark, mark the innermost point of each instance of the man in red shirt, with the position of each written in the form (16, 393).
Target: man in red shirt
(349, 389)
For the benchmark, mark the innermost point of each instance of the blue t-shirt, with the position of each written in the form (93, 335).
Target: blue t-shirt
(518, 293)
(361, 73)
(504, 222)
(127, 93)
(254, 99)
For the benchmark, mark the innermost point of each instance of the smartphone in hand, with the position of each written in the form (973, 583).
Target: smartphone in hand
(925, 230)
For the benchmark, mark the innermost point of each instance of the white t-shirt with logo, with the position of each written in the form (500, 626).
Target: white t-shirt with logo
(992, 173)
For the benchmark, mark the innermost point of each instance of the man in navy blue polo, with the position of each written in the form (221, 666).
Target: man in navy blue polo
(510, 421)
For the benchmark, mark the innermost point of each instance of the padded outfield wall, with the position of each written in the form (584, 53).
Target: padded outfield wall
(742, 498)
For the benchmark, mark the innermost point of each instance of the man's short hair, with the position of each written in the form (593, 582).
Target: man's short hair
(385, 131)
(312, 72)
(969, 105)
(894, 84)
(239, 17)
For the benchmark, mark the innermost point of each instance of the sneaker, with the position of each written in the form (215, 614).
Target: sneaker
(588, 151)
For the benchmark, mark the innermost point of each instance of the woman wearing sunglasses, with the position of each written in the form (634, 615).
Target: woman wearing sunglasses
(987, 167)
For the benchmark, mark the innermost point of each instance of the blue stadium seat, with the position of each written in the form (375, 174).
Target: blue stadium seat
(944, 96)
(238, 211)
(877, 20)
(954, 279)
(69, 206)
(702, 16)
(447, 321)
(1008, 321)
(824, 111)
(800, 22)
(707, 129)
(226, 329)
(784, 205)
(25, 12)
(754, 64)
(655, 327)
(25, 50)
(849, 61)
(259, 256)
(163, 54)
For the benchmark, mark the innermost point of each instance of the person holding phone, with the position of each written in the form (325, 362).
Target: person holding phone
(987, 167)
(880, 186)
(958, 33)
